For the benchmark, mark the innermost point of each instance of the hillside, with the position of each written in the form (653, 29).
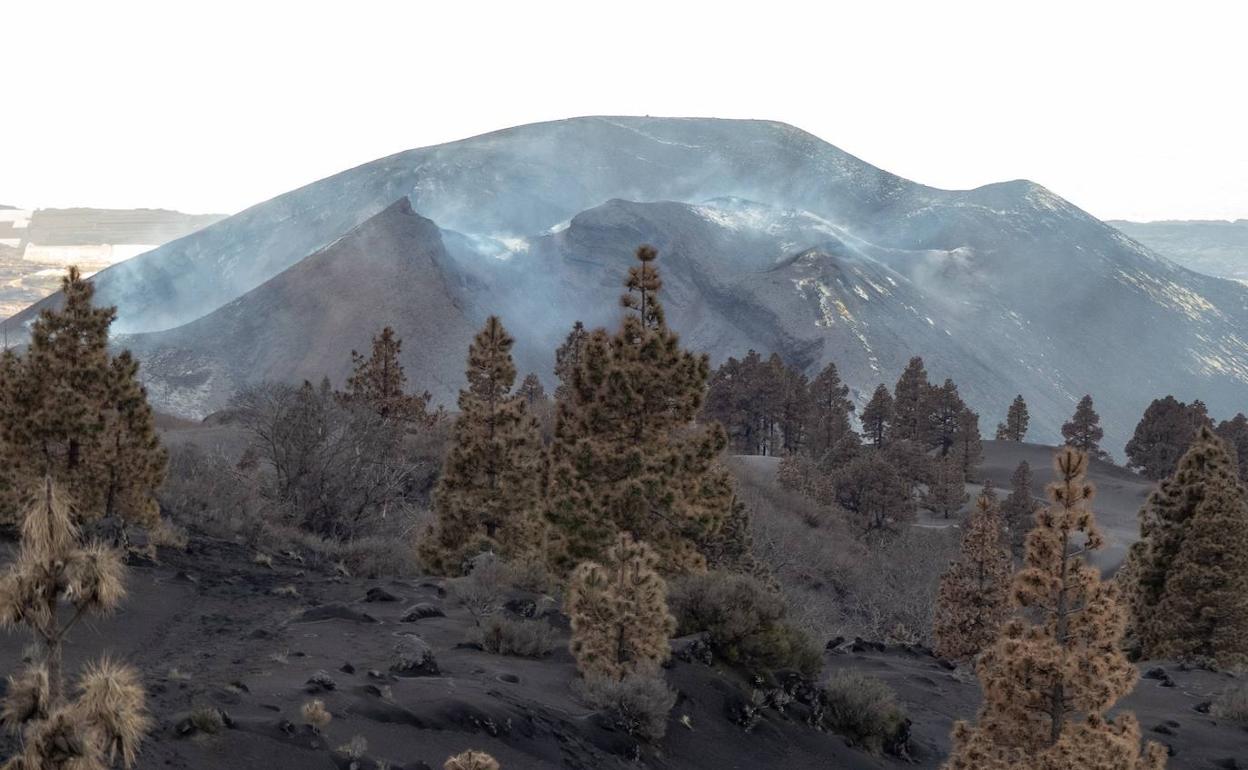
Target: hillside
(1212, 247)
(770, 238)
(212, 629)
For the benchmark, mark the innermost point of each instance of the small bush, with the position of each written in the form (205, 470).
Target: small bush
(471, 760)
(638, 704)
(1233, 704)
(744, 622)
(481, 590)
(863, 709)
(523, 638)
(315, 714)
(286, 590)
(355, 748)
(207, 719)
(413, 657)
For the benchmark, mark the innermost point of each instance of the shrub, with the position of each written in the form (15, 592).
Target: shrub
(355, 748)
(471, 760)
(523, 638)
(863, 709)
(1233, 704)
(481, 591)
(744, 622)
(207, 719)
(315, 714)
(638, 704)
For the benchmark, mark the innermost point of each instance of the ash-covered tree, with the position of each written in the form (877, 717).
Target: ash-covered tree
(1189, 600)
(133, 464)
(1016, 420)
(830, 409)
(490, 494)
(875, 496)
(1083, 431)
(627, 456)
(946, 492)
(968, 445)
(1163, 434)
(1235, 433)
(618, 612)
(877, 417)
(973, 599)
(379, 382)
(1019, 508)
(568, 359)
(946, 417)
(54, 582)
(1055, 671)
(531, 390)
(70, 411)
(912, 404)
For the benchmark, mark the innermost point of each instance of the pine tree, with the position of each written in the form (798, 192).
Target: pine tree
(626, 456)
(1163, 434)
(379, 382)
(912, 403)
(1083, 431)
(531, 390)
(1202, 615)
(133, 463)
(946, 493)
(1016, 419)
(618, 611)
(1055, 671)
(490, 493)
(568, 359)
(876, 498)
(973, 599)
(968, 444)
(106, 718)
(830, 409)
(1176, 609)
(69, 411)
(947, 412)
(877, 417)
(1019, 508)
(1235, 433)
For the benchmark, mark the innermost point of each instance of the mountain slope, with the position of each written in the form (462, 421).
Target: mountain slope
(303, 323)
(769, 238)
(1212, 247)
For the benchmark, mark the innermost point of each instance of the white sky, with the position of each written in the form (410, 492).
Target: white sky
(1129, 109)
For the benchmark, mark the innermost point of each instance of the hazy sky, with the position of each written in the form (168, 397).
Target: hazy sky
(1129, 109)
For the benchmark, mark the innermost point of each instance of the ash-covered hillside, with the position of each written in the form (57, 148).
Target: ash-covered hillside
(769, 238)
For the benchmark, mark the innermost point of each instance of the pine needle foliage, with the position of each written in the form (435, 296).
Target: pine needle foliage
(490, 493)
(627, 456)
(619, 615)
(1188, 573)
(1056, 670)
(71, 411)
(379, 382)
(104, 719)
(973, 599)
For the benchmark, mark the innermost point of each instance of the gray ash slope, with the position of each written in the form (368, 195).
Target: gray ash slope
(770, 238)
(210, 628)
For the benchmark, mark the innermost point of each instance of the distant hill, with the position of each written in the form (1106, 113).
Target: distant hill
(1212, 247)
(37, 245)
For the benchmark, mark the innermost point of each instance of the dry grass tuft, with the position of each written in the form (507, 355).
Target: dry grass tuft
(315, 714)
(471, 760)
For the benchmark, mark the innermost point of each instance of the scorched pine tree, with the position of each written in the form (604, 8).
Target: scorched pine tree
(1055, 671)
